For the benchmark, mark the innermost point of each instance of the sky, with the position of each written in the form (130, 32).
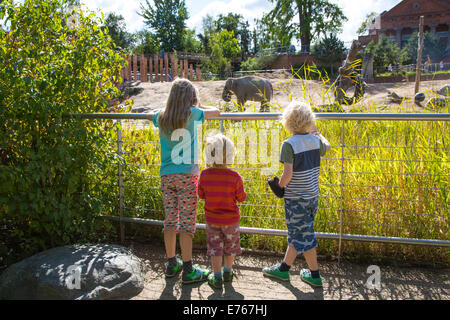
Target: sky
(355, 10)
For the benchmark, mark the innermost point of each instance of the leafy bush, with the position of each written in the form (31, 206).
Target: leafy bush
(260, 63)
(385, 52)
(432, 47)
(54, 60)
(250, 64)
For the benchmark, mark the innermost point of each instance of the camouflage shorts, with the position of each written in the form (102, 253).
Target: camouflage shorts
(300, 214)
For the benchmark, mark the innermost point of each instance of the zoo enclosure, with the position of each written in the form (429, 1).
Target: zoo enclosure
(345, 205)
(162, 67)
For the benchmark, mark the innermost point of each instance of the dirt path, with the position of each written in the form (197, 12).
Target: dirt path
(344, 281)
(154, 95)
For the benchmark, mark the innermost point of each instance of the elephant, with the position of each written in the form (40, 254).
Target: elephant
(251, 88)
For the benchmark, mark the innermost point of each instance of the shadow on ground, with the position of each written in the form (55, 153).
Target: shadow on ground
(342, 281)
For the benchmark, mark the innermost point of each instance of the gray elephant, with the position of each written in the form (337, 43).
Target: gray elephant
(250, 88)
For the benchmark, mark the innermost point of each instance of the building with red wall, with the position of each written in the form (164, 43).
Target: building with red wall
(400, 22)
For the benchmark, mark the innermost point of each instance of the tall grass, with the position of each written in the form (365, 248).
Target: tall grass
(387, 178)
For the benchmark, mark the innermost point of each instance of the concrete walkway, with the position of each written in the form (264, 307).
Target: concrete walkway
(342, 281)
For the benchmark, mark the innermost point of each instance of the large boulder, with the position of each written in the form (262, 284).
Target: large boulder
(437, 103)
(445, 90)
(141, 109)
(87, 272)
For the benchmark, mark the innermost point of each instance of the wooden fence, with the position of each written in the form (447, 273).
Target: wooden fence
(159, 68)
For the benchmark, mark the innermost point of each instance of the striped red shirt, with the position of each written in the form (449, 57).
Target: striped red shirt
(221, 189)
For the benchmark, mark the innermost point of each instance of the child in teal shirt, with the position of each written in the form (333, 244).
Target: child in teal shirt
(178, 124)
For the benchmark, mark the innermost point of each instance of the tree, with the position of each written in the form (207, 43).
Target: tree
(224, 46)
(167, 19)
(273, 32)
(367, 23)
(51, 191)
(240, 27)
(191, 43)
(432, 46)
(145, 42)
(229, 44)
(115, 24)
(208, 30)
(385, 52)
(329, 49)
(315, 17)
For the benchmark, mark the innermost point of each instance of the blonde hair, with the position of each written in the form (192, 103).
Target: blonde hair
(297, 117)
(183, 95)
(219, 150)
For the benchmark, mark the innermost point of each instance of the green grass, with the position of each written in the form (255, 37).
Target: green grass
(394, 183)
(411, 73)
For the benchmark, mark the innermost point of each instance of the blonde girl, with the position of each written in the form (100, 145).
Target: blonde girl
(179, 172)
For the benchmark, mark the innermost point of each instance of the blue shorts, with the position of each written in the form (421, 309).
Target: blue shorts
(300, 214)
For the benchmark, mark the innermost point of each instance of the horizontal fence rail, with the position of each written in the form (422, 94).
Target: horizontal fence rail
(400, 193)
(276, 116)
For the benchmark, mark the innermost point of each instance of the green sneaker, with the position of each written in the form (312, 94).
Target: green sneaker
(227, 275)
(173, 271)
(215, 282)
(274, 272)
(305, 275)
(197, 275)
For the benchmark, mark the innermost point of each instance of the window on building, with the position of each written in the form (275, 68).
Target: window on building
(442, 34)
(405, 38)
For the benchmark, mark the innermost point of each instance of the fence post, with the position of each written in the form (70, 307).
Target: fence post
(181, 68)
(161, 70)
(150, 68)
(341, 209)
(199, 74)
(186, 69)
(166, 65)
(143, 68)
(128, 72)
(155, 58)
(135, 67)
(174, 66)
(120, 181)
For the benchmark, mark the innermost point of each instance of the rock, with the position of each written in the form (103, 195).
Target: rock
(85, 272)
(140, 109)
(445, 91)
(437, 102)
(395, 98)
(419, 97)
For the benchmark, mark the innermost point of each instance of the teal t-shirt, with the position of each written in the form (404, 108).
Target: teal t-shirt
(179, 151)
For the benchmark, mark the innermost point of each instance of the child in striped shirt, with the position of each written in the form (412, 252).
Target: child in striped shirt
(299, 186)
(221, 188)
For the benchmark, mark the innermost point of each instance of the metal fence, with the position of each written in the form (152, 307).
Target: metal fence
(392, 193)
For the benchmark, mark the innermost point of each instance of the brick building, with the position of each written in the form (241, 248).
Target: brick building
(400, 22)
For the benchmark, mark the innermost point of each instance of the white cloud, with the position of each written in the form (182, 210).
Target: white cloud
(128, 9)
(250, 10)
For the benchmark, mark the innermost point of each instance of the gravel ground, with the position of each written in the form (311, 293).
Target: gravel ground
(342, 281)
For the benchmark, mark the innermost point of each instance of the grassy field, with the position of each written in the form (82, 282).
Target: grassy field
(386, 178)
